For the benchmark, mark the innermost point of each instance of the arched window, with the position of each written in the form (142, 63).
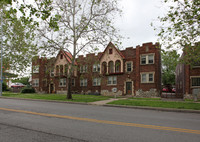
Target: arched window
(118, 66)
(57, 70)
(61, 69)
(104, 68)
(111, 67)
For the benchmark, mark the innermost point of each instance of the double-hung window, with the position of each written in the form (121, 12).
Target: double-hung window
(147, 77)
(96, 81)
(96, 68)
(112, 80)
(35, 83)
(83, 69)
(147, 59)
(62, 82)
(83, 82)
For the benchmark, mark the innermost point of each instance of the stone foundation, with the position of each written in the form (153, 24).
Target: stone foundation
(108, 93)
(147, 94)
(61, 92)
(191, 96)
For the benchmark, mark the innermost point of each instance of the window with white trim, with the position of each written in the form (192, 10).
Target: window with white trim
(96, 81)
(83, 82)
(96, 68)
(52, 72)
(147, 59)
(128, 66)
(83, 69)
(147, 77)
(36, 69)
(112, 80)
(62, 82)
(35, 82)
(195, 81)
(73, 82)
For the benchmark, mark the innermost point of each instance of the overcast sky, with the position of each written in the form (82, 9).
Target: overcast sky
(136, 19)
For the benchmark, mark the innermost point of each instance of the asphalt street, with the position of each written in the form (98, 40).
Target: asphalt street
(36, 121)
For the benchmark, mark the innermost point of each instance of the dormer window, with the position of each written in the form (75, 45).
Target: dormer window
(110, 51)
(61, 56)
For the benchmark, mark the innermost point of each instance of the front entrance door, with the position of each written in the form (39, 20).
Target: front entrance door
(51, 88)
(129, 88)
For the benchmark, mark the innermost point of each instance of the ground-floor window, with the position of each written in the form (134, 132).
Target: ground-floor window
(96, 81)
(147, 77)
(35, 83)
(62, 82)
(83, 82)
(112, 80)
(195, 81)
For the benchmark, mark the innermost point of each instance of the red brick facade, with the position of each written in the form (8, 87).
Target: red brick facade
(187, 79)
(111, 72)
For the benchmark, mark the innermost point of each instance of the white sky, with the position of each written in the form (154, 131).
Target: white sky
(136, 19)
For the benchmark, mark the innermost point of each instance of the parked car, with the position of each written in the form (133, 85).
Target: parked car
(174, 90)
(165, 89)
(17, 85)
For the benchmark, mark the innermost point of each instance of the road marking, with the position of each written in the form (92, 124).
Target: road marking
(107, 122)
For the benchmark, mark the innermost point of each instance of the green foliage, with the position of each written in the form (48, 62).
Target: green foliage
(27, 89)
(169, 63)
(4, 86)
(23, 80)
(180, 26)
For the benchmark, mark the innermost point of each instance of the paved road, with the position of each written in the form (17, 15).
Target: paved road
(36, 121)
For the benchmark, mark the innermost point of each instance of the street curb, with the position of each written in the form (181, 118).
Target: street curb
(155, 108)
(109, 105)
(40, 100)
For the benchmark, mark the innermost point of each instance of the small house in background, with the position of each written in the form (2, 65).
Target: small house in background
(133, 71)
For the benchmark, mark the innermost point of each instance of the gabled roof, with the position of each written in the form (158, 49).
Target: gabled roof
(113, 46)
(68, 56)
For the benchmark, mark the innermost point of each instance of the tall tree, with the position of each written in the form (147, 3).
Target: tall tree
(169, 63)
(18, 38)
(180, 27)
(75, 26)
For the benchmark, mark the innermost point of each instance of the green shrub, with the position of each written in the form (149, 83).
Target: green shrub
(28, 89)
(4, 86)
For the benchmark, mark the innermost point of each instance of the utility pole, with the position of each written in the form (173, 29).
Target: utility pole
(1, 55)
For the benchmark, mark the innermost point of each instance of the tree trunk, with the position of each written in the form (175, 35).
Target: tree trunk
(69, 93)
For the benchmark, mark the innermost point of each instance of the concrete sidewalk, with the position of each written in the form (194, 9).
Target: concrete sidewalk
(103, 102)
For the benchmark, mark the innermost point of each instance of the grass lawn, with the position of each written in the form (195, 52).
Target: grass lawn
(59, 97)
(157, 103)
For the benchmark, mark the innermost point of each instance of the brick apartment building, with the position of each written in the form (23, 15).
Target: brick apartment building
(187, 80)
(133, 71)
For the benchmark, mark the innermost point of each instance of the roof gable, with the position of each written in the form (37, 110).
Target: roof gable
(113, 47)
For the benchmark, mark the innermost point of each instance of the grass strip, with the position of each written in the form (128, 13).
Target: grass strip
(58, 97)
(162, 104)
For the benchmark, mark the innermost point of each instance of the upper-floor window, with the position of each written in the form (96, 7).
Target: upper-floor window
(96, 68)
(62, 82)
(83, 82)
(111, 67)
(57, 70)
(35, 82)
(61, 69)
(73, 82)
(96, 81)
(104, 68)
(110, 51)
(195, 81)
(117, 66)
(36, 69)
(147, 77)
(129, 66)
(112, 80)
(83, 69)
(147, 59)
(52, 72)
